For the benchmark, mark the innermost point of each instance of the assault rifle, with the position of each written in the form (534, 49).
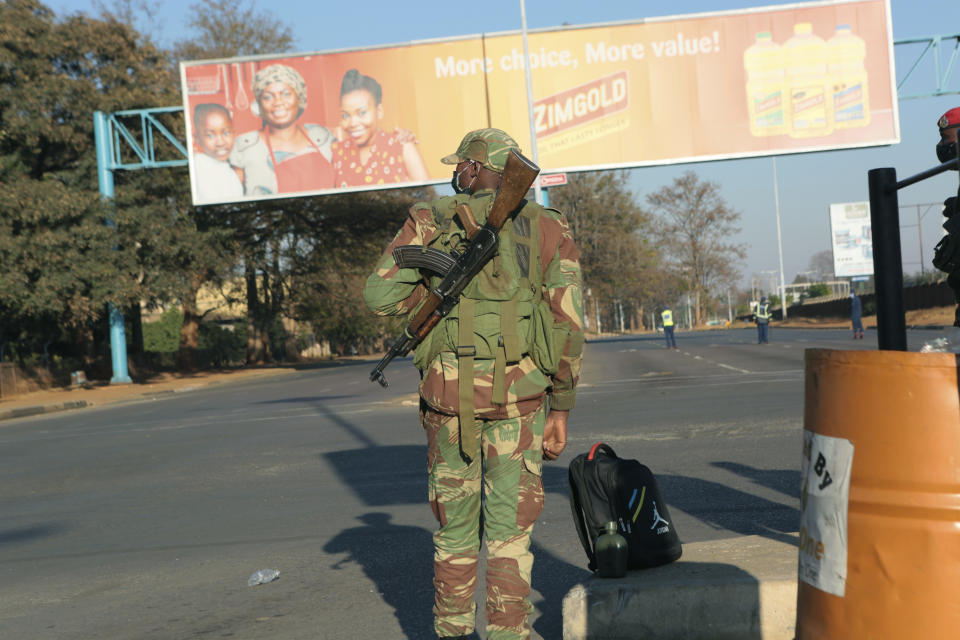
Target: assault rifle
(459, 269)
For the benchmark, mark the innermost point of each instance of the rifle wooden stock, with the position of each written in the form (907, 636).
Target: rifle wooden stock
(518, 176)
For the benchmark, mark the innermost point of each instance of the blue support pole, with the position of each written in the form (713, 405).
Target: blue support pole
(545, 194)
(118, 338)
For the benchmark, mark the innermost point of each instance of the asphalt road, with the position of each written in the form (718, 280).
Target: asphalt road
(144, 521)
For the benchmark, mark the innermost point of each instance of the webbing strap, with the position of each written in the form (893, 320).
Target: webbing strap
(499, 391)
(509, 329)
(508, 349)
(536, 269)
(465, 352)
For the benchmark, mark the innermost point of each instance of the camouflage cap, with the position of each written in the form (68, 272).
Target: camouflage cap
(489, 147)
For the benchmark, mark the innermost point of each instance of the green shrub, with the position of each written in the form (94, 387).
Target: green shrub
(818, 290)
(221, 347)
(163, 336)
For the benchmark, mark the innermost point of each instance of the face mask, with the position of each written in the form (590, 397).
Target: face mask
(455, 182)
(947, 151)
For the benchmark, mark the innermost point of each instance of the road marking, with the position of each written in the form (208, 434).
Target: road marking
(719, 364)
(727, 366)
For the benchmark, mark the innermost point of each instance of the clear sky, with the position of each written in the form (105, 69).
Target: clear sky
(808, 182)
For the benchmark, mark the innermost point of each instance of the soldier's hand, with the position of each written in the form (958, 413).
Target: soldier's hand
(555, 434)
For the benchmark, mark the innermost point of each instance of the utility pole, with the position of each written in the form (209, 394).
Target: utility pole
(776, 198)
(538, 193)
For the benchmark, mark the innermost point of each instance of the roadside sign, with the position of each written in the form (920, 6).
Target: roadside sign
(852, 239)
(553, 180)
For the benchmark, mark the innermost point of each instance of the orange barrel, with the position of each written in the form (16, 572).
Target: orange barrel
(901, 414)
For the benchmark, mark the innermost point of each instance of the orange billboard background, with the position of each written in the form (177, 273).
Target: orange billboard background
(632, 94)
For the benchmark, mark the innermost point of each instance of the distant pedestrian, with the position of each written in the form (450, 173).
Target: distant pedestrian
(856, 316)
(667, 317)
(762, 318)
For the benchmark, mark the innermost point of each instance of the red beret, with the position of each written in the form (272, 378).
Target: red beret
(950, 119)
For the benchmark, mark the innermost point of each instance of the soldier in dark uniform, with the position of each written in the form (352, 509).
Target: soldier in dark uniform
(946, 255)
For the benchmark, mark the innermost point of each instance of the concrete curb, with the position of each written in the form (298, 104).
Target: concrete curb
(730, 589)
(23, 412)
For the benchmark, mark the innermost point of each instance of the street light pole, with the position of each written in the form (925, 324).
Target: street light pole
(537, 191)
(776, 198)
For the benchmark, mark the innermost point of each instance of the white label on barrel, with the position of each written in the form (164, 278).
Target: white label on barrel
(825, 470)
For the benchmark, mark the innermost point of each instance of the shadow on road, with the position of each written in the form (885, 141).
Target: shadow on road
(24, 534)
(786, 481)
(397, 559)
(553, 577)
(723, 507)
(384, 475)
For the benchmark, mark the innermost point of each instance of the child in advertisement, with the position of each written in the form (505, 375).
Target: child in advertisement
(215, 180)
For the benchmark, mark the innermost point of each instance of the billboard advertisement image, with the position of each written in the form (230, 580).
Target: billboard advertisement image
(803, 77)
(850, 229)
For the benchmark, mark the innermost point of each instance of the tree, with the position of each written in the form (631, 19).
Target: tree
(817, 290)
(222, 29)
(821, 264)
(62, 265)
(612, 232)
(695, 227)
(333, 244)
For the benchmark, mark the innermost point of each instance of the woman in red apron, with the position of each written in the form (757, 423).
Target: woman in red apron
(284, 156)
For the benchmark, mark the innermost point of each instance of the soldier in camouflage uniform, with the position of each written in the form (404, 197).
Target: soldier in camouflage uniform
(489, 370)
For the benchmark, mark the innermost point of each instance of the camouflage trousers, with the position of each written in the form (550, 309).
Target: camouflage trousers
(507, 475)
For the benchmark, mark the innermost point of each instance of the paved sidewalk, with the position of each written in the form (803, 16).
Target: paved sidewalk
(100, 393)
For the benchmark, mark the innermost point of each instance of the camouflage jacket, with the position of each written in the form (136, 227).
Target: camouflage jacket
(391, 290)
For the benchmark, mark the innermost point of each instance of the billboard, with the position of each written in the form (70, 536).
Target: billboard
(801, 77)
(850, 231)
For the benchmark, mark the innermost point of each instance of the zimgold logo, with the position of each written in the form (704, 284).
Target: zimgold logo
(579, 105)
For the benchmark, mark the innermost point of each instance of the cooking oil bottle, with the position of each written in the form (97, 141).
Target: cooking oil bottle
(763, 62)
(805, 60)
(848, 79)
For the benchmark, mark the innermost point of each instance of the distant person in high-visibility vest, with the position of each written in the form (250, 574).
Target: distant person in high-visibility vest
(667, 317)
(762, 318)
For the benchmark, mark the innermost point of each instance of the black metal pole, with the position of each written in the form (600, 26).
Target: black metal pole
(887, 266)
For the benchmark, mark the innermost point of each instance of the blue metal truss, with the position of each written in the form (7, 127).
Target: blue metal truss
(132, 137)
(932, 49)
